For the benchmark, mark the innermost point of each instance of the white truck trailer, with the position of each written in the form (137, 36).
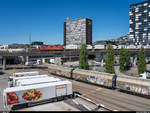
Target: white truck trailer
(36, 93)
(21, 74)
(26, 82)
(26, 74)
(13, 80)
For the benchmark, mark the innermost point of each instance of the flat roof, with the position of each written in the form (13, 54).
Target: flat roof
(78, 19)
(139, 3)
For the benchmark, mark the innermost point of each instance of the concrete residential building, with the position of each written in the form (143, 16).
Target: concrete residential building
(78, 32)
(140, 23)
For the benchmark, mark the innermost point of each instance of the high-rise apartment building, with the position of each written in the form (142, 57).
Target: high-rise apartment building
(78, 32)
(139, 30)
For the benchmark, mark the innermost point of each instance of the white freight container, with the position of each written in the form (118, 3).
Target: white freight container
(12, 81)
(99, 46)
(33, 81)
(71, 47)
(16, 50)
(121, 46)
(89, 47)
(21, 74)
(131, 47)
(114, 46)
(36, 93)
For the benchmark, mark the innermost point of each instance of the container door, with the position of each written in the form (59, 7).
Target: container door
(61, 90)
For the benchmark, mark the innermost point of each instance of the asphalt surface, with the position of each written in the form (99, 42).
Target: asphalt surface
(111, 99)
(3, 85)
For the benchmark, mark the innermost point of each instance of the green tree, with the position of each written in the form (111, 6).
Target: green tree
(127, 60)
(83, 62)
(141, 61)
(124, 59)
(109, 60)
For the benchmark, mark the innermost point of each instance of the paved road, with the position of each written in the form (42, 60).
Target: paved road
(3, 84)
(112, 99)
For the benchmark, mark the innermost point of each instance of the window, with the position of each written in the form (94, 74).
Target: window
(145, 4)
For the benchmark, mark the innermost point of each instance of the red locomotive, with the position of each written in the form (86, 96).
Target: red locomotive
(49, 47)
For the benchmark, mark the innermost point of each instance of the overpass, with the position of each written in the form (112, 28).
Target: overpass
(99, 54)
(63, 52)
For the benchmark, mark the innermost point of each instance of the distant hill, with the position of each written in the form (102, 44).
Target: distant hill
(120, 40)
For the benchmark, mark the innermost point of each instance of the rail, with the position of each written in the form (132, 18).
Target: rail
(97, 104)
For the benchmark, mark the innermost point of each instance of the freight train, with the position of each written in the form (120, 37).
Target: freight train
(89, 47)
(119, 82)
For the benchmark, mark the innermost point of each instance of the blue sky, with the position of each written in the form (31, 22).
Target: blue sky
(45, 18)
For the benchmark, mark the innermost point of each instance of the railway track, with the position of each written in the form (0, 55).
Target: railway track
(112, 99)
(114, 96)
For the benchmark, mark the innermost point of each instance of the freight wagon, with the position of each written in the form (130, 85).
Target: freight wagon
(126, 83)
(33, 81)
(36, 93)
(12, 80)
(94, 77)
(60, 70)
(133, 84)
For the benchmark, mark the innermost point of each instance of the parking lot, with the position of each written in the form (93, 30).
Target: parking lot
(3, 84)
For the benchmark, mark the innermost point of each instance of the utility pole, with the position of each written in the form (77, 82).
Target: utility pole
(30, 38)
(30, 41)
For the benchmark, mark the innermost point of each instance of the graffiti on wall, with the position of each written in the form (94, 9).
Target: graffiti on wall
(63, 73)
(58, 72)
(82, 78)
(136, 89)
(97, 80)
